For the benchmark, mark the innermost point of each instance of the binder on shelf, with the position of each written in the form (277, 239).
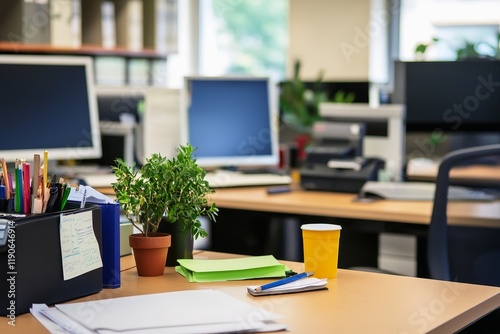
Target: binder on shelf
(65, 23)
(33, 269)
(158, 72)
(37, 16)
(128, 20)
(172, 26)
(108, 24)
(160, 25)
(98, 22)
(25, 21)
(110, 70)
(138, 70)
(91, 22)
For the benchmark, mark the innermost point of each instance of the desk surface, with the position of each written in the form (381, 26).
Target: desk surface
(475, 173)
(356, 302)
(343, 205)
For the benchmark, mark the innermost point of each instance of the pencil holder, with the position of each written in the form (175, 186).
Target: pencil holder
(32, 266)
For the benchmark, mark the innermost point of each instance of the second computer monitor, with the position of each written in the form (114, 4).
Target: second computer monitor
(231, 121)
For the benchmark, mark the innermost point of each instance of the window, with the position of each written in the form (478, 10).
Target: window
(463, 29)
(246, 37)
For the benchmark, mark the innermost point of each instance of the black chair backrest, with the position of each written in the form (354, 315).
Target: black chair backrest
(460, 253)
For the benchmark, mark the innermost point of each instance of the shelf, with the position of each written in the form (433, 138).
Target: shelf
(85, 50)
(129, 41)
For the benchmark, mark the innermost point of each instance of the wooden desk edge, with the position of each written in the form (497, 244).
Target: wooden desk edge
(27, 323)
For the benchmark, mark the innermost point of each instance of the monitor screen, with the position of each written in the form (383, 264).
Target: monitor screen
(452, 96)
(231, 121)
(48, 103)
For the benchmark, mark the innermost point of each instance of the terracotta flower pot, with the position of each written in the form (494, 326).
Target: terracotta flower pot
(150, 253)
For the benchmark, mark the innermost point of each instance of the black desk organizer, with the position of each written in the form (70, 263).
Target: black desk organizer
(38, 274)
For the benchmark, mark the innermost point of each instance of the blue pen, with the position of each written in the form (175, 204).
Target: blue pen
(284, 281)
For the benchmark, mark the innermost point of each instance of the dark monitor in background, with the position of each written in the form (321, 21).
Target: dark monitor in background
(451, 96)
(48, 103)
(232, 121)
(120, 110)
(119, 106)
(450, 105)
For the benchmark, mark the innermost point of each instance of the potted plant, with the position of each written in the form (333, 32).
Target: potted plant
(143, 199)
(187, 202)
(174, 189)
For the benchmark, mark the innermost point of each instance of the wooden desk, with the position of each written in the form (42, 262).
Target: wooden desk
(356, 302)
(341, 205)
(487, 175)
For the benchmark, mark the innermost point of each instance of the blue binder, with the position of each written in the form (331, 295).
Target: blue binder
(110, 245)
(110, 212)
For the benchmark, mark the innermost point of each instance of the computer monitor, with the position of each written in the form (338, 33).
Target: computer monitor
(231, 121)
(48, 103)
(449, 96)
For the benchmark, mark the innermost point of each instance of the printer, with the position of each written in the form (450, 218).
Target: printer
(334, 160)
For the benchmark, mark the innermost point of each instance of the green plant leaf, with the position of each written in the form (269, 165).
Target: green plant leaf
(174, 188)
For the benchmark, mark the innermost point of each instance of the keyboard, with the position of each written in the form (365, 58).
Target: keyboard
(225, 179)
(102, 180)
(420, 191)
(216, 179)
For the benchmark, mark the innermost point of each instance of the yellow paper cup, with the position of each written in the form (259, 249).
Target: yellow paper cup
(321, 249)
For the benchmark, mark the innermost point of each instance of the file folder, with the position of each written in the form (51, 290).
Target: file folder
(231, 269)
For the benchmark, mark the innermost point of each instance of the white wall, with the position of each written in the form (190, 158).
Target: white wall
(336, 36)
(329, 35)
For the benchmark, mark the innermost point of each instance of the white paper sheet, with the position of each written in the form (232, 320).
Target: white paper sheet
(88, 194)
(194, 311)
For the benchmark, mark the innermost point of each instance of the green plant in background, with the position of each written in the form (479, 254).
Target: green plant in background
(468, 49)
(421, 48)
(173, 187)
(343, 97)
(299, 104)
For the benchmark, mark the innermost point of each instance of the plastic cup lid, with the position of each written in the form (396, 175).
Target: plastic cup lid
(321, 227)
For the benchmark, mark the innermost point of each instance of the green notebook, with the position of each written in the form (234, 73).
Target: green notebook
(231, 269)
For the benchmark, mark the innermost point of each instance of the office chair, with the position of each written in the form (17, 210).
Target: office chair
(460, 253)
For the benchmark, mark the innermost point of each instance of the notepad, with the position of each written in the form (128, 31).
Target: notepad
(302, 285)
(265, 266)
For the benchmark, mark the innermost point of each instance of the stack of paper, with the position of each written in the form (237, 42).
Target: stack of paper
(88, 194)
(197, 311)
(231, 269)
